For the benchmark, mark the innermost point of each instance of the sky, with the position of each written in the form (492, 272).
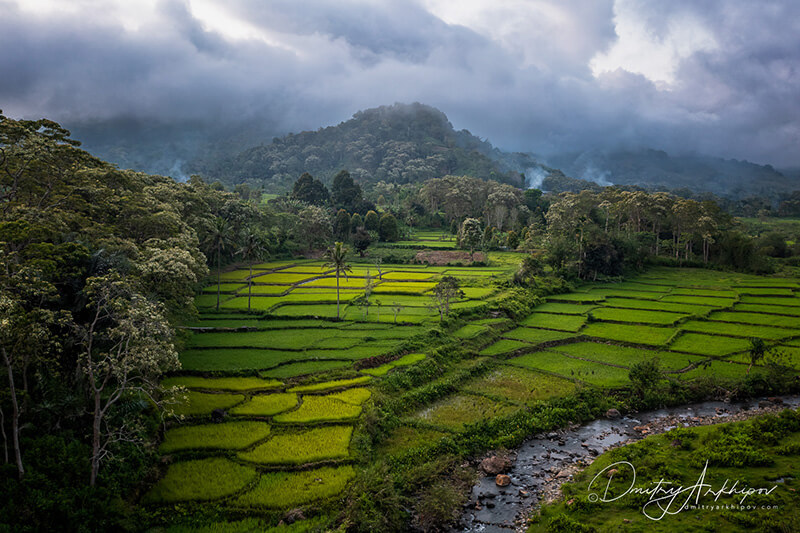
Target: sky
(718, 77)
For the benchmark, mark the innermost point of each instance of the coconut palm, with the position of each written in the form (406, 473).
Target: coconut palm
(253, 246)
(219, 239)
(336, 258)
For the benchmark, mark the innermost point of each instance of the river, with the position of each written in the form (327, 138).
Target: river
(541, 463)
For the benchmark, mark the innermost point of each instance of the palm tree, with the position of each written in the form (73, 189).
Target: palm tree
(336, 258)
(219, 239)
(253, 247)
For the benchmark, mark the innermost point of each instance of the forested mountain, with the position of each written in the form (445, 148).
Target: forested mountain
(658, 170)
(399, 144)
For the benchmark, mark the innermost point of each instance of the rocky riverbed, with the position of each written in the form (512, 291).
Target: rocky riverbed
(513, 485)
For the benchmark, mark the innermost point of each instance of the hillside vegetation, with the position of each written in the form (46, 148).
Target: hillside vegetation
(398, 144)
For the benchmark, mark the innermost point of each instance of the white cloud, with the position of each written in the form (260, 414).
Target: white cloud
(641, 49)
(529, 75)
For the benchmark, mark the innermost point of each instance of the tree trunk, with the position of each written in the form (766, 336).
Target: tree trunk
(658, 241)
(219, 274)
(249, 287)
(5, 438)
(14, 414)
(95, 439)
(337, 293)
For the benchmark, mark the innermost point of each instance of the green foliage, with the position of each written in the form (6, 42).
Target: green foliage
(646, 375)
(341, 226)
(748, 452)
(361, 239)
(345, 193)
(402, 143)
(388, 229)
(310, 190)
(469, 234)
(757, 351)
(373, 502)
(371, 221)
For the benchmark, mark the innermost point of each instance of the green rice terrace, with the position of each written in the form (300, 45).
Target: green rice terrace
(270, 403)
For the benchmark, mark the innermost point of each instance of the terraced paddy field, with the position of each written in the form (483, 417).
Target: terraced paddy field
(292, 384)
(289, 382)
(691, 320)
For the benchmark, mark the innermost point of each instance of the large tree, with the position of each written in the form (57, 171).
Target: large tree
(126, 347)
(387, 229)
(469, 235)
(444, 293)
(341, 225)
(310, 190)
(346, 193)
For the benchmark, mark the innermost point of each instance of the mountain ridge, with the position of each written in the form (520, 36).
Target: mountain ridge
(401, 143)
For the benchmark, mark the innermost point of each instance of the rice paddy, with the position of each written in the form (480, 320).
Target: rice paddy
(301, 447)
(192, 403)
(228, 435)
(283, 490)
(328, 385)
(229, 384)
(293, 381)
(681, 317)
(320, 409)
(205, 479)
(266, 404)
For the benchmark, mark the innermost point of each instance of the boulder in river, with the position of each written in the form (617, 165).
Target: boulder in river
(495, 464)
(613, 414)
(502, 480)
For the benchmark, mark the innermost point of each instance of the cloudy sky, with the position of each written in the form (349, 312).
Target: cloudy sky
(719, 77)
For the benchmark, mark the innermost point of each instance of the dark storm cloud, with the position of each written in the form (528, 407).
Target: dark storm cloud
(515, 72)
